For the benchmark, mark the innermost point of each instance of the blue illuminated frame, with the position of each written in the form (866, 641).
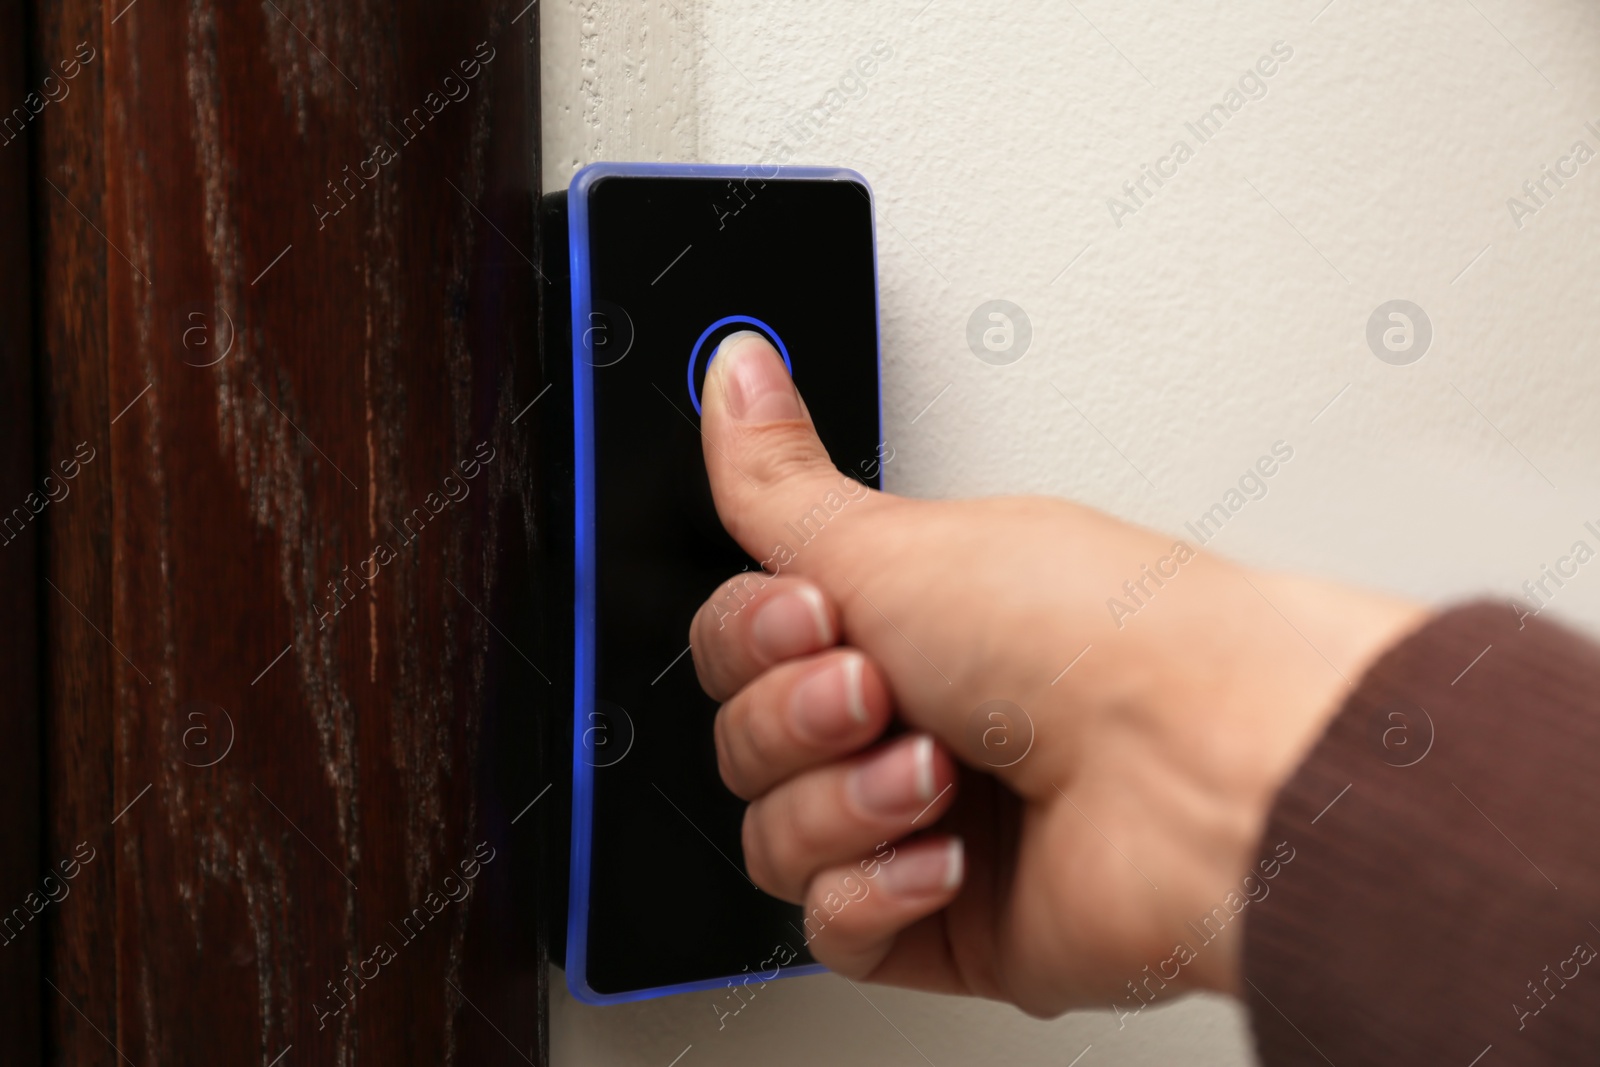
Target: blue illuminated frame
(584, 576)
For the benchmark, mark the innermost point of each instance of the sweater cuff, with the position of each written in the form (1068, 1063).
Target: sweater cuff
(1442, 899)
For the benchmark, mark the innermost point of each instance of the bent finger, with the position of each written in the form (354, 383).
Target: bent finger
(825, 816)
(853, 919)
(798, 715)
(752, 621)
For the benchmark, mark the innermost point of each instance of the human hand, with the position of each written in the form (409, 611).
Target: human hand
(1055, 879)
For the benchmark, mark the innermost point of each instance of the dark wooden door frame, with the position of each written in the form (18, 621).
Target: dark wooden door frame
(278, 694)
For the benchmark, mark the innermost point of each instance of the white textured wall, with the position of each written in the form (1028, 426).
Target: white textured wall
(1220, 317)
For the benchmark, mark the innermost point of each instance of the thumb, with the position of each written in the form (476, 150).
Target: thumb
(768, 468)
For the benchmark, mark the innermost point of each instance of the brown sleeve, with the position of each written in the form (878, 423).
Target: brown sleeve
(1442, 900)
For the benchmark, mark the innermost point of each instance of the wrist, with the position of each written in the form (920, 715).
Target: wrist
(1322, 638)
(1348, 630)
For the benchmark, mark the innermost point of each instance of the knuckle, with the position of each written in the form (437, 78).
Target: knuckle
(721, 661)
(702, 669)
(727, 764)
(780, 855)
(740, 768)
(757, 857)
(806, 827)
(767, 742)
(706, 654)
(836, 928)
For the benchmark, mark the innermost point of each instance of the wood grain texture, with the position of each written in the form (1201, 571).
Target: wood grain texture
(70, 263)
(312, 687)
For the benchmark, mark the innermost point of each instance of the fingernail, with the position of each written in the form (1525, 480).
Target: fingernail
(827, 704)
(898, 780)
(758, 385)
(792, 624)
(925, 871)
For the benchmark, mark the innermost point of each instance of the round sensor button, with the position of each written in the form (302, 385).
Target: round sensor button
(721, 325)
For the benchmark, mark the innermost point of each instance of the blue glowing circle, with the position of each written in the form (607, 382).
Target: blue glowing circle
(747, 320)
